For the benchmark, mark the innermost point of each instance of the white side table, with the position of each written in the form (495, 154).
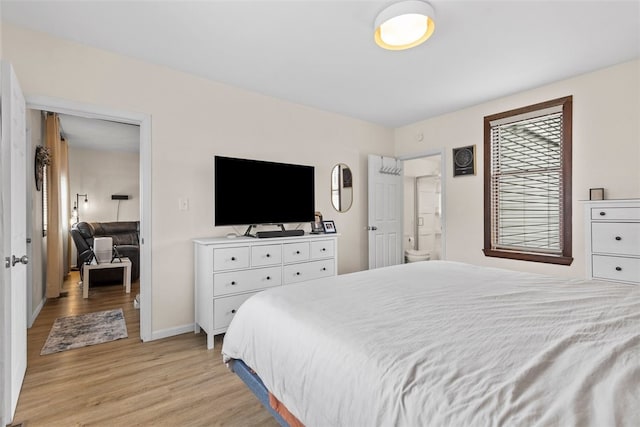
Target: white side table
(126, 277)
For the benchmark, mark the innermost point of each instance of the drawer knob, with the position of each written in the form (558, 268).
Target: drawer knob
(268, 277)
(297, 252)
(233, 283)
(618, 268)
(233, 258)
(323, 249)
(297, 273)
(233, 311)
(324, 269)
(603, 213)
(618, 238)
(268, 255)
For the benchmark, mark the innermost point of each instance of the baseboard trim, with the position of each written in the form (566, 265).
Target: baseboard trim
(166, 333)
(36, 312)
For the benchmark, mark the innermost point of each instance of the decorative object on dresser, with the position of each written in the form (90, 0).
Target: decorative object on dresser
(316, 225)
(596, 194)
(612, 237)
(329, 226)
(228, 272)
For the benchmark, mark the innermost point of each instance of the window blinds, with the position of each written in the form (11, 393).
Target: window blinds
(526, 182)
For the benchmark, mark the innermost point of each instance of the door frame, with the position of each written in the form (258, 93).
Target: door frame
(443, 175)
(63, 106)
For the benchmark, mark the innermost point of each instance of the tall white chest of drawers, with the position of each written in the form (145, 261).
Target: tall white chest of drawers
(612, 237)
(229, 271)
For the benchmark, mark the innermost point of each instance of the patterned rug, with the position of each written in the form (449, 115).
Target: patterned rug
(85, 329)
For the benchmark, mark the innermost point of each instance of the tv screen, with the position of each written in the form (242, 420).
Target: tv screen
(249, 192)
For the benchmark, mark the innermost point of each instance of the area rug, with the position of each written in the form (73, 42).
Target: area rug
(85, 329)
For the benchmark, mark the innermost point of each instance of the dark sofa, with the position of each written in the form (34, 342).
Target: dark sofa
(126, 239)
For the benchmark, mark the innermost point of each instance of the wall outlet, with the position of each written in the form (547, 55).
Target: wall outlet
(183, 204)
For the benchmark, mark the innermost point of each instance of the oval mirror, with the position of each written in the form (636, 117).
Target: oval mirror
(341, 187)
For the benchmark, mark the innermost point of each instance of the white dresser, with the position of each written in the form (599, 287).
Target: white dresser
(612, 240)
(228, 271)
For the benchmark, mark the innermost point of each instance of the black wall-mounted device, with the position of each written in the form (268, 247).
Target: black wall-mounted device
(119, 197)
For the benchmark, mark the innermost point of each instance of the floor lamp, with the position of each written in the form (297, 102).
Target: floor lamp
(76, 206)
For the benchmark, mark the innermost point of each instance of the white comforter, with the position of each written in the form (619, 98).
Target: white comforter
(446, 344)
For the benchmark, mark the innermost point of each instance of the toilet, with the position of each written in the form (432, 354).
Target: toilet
(413, 255)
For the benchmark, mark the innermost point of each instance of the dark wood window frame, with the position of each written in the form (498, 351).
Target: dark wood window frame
(565, 255)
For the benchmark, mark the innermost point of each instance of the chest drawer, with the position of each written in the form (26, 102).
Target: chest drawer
(244, 281)
(308, 271)
(611, 213)
(294, 252)
(266, 255)
(322, 249)
(224, 309)
(616, 268)
(230, 258)
(616, 238)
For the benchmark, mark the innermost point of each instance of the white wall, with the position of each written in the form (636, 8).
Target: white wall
(194, 119)
(99, 174)
(606, 153)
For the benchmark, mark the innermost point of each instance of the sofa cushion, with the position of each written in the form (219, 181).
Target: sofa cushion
(122, 232)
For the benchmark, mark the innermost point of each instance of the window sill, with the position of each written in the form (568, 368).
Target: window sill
(524, 256)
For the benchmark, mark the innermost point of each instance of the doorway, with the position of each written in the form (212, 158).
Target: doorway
(144, 123)
(423, 208)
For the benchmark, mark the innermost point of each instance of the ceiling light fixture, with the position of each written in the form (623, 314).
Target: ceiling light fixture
(404, 25)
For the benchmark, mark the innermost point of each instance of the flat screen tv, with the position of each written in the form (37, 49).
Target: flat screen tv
(252, 192)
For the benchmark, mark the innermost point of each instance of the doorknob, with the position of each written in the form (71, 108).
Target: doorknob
(372, 228)
(24, 260)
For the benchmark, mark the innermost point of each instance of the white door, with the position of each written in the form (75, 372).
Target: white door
(385, 211)
(13, 216)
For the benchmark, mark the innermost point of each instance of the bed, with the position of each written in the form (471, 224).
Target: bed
(443, 343)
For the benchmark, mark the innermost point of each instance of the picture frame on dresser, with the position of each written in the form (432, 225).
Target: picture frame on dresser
(329, 227)
(596, 194)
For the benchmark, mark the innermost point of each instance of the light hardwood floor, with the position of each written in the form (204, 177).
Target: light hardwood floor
(170, 382)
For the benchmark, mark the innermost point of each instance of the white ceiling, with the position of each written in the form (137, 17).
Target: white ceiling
(321, 53)
(96, 134)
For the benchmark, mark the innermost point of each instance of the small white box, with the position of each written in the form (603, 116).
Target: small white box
(103, 248)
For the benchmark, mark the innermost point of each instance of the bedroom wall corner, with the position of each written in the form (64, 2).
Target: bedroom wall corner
(606, 153)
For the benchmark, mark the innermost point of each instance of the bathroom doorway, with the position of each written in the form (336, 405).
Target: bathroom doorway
(423, 208)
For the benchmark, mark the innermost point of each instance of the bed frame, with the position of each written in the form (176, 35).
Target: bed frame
(257, 387)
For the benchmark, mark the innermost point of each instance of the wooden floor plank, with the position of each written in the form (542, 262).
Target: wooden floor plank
(170, 382)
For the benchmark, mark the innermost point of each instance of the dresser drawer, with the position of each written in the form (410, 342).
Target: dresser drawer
(610, 213)
(322, 249)
(615, 238)
(266, 255)
(308, 271)
(230, 258)
(616, 268)
(225, 308)
(294, 252)
(247, 280)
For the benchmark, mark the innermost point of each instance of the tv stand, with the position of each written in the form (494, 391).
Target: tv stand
(273, 233)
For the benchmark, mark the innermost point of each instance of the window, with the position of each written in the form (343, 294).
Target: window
(527, 183)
